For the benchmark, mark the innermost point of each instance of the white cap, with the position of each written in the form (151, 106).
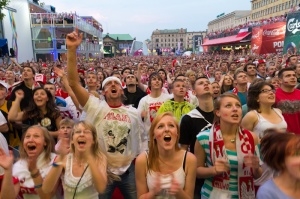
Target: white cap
(109, 79)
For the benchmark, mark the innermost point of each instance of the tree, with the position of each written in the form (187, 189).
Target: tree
(3, 4)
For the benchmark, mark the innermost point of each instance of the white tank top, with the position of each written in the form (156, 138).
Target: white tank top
(85, 188)
(165, 180)
(264, 124)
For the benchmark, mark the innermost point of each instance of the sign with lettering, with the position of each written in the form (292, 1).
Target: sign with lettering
(268, 38)
(292, 33)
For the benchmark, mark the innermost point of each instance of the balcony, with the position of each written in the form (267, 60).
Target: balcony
(65, 20)
(43, 44)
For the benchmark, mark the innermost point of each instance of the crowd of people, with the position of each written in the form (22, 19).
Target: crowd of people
(61, 18)
(248, 25)
(205, 126)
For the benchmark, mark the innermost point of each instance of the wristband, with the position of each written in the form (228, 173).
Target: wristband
(38, 186)
(35, 175)
(56, 164)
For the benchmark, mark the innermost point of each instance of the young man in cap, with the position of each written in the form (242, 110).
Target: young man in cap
(119, 127)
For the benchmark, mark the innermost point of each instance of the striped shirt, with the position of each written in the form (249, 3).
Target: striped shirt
(203, 139)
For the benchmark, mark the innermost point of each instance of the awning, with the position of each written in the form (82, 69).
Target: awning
(225, 40)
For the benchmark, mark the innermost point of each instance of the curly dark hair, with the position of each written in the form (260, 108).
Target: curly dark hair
(253, 93)
(33, 111)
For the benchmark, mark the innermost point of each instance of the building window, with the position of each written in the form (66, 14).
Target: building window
(157, 40)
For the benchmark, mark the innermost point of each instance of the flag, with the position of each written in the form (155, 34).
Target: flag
(243, 32)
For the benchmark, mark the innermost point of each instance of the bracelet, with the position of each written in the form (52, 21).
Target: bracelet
(56, 164)
(38, 186)
(35, 175)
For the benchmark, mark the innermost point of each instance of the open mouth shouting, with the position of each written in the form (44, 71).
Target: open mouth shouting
(81, 143)
(114, 90)
(167, 138)
(31, 147)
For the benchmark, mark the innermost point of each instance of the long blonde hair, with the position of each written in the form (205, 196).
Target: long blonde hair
(153, 163)
(96, 150)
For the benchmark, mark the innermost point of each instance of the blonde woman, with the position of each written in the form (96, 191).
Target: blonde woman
(83, 171)
(166, 171)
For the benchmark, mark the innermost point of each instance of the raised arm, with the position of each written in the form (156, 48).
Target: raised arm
(55, 172)
(9, 190)
(139, 76)
(65, 82)
(98, 170)
(73, 40)
(14, 115)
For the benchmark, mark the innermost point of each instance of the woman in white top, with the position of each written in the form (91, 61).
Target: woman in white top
(262, 116)
(166, 171)
(34, 164)
(83, 171)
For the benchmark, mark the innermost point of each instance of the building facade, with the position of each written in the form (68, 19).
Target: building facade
(36, 31)
(194, 40)
(168, 39)
(230, 20)
(264, 9)
(116, 44)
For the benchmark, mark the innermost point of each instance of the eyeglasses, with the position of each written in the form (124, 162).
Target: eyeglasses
(84, 132)
(267, 91)
(130, 76)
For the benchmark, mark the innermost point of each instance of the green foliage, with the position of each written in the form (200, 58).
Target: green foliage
(3, 3)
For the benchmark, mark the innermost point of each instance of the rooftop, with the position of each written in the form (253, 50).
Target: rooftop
(123, 37)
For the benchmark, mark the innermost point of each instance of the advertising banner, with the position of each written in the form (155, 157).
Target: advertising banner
(268, 38)
(256, 40)
(292, 34)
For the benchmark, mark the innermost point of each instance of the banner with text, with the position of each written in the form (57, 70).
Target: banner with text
(268, 38)
(292, 34)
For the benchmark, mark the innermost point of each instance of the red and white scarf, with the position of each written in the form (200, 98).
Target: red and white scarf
(244, 146)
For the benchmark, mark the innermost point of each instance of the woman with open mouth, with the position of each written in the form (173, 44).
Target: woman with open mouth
(83, 171)
(165, 171)
(41, 110)
(28, 173)
(228, 156)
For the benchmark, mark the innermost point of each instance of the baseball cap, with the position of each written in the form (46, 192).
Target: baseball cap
(5, 85)
(109, 79)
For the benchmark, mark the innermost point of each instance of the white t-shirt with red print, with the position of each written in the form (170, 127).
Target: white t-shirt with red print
(151, 106)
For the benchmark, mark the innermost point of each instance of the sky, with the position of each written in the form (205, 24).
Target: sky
(140, 18)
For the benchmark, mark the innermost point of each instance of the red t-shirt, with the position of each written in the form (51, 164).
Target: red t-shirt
(61, 93)
(289, 104)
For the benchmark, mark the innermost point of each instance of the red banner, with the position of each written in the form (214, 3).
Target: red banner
(268, 39)
(256, 40)
(205, 48)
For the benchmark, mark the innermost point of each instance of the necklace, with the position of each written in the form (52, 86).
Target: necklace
(79, 163)
(232, 140)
